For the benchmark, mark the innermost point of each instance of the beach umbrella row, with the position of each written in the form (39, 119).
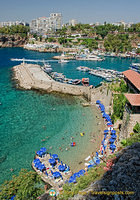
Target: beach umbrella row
(41, 152)
(72, 179)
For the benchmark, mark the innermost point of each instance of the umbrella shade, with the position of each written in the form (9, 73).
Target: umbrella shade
(55, 156)
(97, 161)
(72, 179)
(98, 102)
(113, 131)
(112, 146)
(52, 161)
(82, 172)
(61, 168)
(109, 124)
(36, 160)
(40, 153)
(114, 136)
(56, 174)
(103, 114)
(43, 149)
(111, 140)
(90, 166)
(105, 131)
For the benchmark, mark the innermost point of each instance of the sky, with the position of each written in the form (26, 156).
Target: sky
(84, 11)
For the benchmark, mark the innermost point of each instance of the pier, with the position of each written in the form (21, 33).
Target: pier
(31, 76)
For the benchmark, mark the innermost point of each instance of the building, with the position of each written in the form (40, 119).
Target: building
(43, 25)
(11, 23)
(73, 22)
(132, 79)
(133, 103)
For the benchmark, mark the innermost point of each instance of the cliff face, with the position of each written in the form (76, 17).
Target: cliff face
(11, 41)
(122, 180)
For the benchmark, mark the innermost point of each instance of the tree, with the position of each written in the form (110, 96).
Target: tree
(25, 186)
(136, 128)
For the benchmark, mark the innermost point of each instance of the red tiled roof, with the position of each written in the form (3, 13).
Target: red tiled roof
(133, 77)
(134, 99)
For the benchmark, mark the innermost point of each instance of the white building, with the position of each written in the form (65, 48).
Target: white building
(45, 24)
(73, 22)
(11, 23)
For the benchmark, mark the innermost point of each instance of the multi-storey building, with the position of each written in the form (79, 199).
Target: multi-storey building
(46, 24)
(10, 23)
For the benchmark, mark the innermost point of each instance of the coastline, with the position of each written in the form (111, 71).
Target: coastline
(27, 81)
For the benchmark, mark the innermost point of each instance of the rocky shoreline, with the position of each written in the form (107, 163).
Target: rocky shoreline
(12, 41)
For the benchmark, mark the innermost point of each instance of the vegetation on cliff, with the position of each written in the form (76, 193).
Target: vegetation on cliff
(15, 30)
(27, 185)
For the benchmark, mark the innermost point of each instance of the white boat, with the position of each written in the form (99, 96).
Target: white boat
(47, 68)
(63, 61)
(83, 69)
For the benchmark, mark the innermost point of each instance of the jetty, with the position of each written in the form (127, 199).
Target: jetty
(31, 76)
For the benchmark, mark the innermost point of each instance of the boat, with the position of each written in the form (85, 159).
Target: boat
(85, 81)
(76, 81)
(135, 67)
(46, 68)
(63, 61)
(83, 69)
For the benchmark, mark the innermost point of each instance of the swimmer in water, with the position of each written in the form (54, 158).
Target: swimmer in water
(11, 169)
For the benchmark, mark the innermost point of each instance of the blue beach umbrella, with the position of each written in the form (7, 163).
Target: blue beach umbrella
(43, 149)
(72, 179)
(52, 161)
(90, 166)
(105, 131)
(82, 172)
(55, 156)
(56, 174)
(76, 174)
(111, 140)
(113, 131)
(61, 168)
(36, 160)
(114, 136)
(98, 102)
(112, 146)
(97, 161)
(109, 124)
(13, 197)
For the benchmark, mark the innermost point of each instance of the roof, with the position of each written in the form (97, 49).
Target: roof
(133, 77)
(134, 99)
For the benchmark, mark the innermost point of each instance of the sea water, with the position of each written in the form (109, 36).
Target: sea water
(30, 120)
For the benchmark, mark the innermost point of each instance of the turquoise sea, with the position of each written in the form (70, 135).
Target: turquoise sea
(30, 120)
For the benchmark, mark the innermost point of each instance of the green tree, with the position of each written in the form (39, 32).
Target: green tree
(136, 128)
(25, 186)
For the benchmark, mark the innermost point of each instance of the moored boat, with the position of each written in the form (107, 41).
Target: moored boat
(85, 81)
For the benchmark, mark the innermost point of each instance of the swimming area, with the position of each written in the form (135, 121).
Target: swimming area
(30, 120)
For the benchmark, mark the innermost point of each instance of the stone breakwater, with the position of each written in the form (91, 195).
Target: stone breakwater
(31, 76)
(121, 181)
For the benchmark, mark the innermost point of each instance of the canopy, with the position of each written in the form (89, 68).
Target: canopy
(98, 102)
(52, 161)
(89, 166)
(72, 179)
(43, 149)
(109, 124)
(56, 174)
(112, 146)
(36, 161)
(111, 140)
(97, 161)
(76, 174)
(61, 168)
(82, 172)
(114, 136)
(55, 156)
(113, 131)
(105, 131)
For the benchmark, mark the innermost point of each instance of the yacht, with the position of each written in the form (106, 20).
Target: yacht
(46, 68)
(83, 69)
(63, 61)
